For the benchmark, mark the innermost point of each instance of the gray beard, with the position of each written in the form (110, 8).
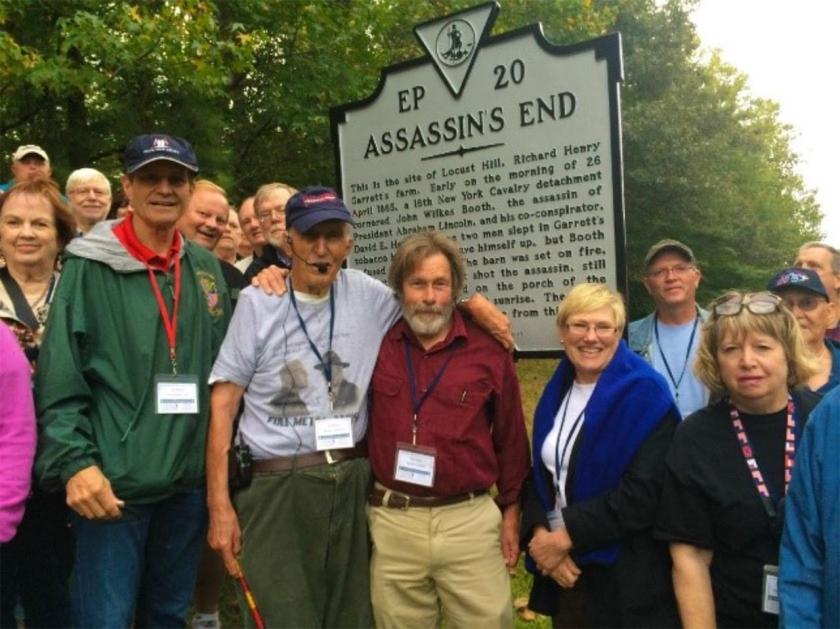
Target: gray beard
(427, 327)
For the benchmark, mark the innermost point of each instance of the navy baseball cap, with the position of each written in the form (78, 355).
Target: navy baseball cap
(314, 205)
(153, 147)
(803, 279)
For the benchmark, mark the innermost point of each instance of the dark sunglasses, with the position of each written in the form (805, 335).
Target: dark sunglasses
(757, 303)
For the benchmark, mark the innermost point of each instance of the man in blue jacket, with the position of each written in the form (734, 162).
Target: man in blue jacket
(809, 572)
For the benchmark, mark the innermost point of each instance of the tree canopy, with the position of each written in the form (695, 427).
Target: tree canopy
(250, 83)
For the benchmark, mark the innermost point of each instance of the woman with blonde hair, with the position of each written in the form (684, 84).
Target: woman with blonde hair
(601, 431)
(730, 463)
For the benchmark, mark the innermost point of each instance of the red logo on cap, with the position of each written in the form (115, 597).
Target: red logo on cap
(319, 198)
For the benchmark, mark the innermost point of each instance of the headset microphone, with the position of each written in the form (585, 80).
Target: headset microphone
(322, 267)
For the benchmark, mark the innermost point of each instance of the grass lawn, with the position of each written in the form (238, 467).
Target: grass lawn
(533, 374)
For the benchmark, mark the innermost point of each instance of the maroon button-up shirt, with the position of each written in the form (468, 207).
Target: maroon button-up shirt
(473, 417)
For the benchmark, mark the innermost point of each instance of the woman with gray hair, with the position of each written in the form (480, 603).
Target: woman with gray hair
(730, 463)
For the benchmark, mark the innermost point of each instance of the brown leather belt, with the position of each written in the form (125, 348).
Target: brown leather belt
(310, 459)
(396, 500)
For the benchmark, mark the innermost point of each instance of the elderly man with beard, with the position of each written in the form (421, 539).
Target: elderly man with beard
(270, 210)
(446, 425)
(301, 524)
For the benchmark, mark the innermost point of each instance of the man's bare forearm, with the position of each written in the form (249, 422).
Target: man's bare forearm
(224, 404)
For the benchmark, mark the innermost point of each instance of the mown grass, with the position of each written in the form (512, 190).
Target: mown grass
(533, 374)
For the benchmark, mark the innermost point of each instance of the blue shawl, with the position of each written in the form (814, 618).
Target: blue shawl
(629, 401)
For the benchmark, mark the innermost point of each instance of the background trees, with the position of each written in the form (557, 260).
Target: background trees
(250, 83)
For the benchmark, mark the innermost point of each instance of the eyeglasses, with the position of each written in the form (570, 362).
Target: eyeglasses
(757, 303)
(581, 329)
(99, 192)
(805, 304)
(262, 217)
(677, 269)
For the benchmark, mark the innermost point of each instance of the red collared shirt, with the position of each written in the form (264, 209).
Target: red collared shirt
(124, 231)
(473, 418)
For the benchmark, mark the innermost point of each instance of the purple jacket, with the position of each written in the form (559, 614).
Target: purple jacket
(17, 432)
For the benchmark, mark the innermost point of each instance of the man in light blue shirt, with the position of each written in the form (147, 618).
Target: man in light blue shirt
(668, 337)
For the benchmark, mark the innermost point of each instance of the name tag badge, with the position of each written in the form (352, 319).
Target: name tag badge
(415, 465)
(770, 590)
(176, 395)
(333, 433)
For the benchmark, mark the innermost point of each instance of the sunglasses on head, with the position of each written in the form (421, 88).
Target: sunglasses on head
(757, 303)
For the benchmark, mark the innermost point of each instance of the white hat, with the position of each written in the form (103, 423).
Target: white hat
(29, 149)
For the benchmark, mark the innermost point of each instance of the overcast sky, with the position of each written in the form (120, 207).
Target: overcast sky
(789, 52)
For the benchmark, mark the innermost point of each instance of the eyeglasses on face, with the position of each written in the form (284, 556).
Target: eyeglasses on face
(84, 191)
(805, 304)
(265, 216)
(581, 329)
(757, 303)
(676, 269)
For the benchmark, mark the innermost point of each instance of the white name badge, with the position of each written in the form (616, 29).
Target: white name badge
(415, 465)
(770, 590)
(176, 395)
(333, 433)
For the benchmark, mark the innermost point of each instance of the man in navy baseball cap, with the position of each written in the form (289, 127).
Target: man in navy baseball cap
(151, 147)
(122, 396)
(807, 298)
(314, 205)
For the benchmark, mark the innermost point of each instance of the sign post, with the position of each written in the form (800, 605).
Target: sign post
(511, 145)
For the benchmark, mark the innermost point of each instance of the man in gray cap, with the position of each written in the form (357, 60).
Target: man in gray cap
(135, 325)
(28, 162)
(668, 337)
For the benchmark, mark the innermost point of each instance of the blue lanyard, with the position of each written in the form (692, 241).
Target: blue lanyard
(416, 404)
(327, 366)
(559, 457)
(675, 382)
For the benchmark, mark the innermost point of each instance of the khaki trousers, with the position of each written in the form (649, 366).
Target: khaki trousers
(429, 561)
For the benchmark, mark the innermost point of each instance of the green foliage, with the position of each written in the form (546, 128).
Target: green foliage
(251, 82)
(705, 161)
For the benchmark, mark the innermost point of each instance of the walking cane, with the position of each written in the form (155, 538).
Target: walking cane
(249, 598)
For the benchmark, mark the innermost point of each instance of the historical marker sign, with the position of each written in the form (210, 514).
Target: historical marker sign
(508, 143)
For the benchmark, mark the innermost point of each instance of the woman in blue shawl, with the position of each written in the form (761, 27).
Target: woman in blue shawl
(601, 431)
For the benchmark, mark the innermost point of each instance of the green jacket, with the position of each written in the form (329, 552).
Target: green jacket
(103, 345)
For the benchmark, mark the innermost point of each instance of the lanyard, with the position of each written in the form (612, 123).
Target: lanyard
(675, 382)
(558, 456)
(415, 403)
(326, 366)
(749, 455)
(170, 325)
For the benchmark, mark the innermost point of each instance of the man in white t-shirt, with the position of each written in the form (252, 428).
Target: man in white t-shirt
(302, 363)
(668, 337)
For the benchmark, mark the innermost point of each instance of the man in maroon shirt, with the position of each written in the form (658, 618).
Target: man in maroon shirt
(446, 426)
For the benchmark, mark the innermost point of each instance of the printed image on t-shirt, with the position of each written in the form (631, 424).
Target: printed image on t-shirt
(346, 393)
(293, 381)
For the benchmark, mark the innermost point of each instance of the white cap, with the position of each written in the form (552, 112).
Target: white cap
(29, 149)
